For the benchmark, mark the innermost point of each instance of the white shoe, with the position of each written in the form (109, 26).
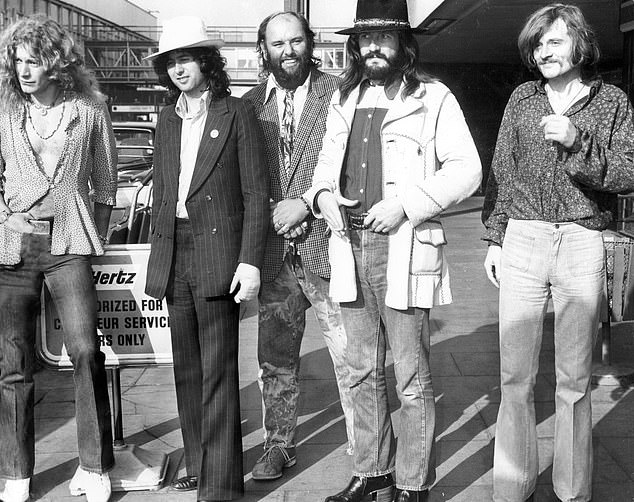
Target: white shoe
(95, 486)
(16, 490)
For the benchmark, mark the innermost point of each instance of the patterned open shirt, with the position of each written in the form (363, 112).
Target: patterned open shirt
(535, 179)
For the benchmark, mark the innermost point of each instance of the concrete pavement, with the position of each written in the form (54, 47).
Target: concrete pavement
(465, 368)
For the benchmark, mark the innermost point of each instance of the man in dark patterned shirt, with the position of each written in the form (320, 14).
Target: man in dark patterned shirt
(565, 148)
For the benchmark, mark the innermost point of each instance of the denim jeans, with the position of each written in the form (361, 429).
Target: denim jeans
(370, 324)
(566, 262)
(281, 323)
(70, 281)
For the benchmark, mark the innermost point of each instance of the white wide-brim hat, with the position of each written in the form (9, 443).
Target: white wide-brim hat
(184, 32)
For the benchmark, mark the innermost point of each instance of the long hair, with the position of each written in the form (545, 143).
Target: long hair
(585, 49)
(53, 46)
(407, 64)
(260, 45)
(212, 66)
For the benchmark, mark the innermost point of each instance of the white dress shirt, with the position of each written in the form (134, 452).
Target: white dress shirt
(193, 112)
(299, 98)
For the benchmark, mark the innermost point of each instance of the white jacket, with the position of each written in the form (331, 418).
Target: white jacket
(430, 163)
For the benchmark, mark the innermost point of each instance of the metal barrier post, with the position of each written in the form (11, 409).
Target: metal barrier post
(618, 252)
(117, 412)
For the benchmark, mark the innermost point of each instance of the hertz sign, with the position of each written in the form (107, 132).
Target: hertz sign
(133, 328)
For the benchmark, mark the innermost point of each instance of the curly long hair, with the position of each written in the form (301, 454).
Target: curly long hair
(53, 46)
(212, 66)
(407, 64)
(260, 45)
(585, 52)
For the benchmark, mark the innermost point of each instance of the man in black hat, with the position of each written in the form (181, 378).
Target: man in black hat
(397, 153)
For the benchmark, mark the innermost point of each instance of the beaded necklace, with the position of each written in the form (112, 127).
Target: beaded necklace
(43, 109)
(59, 123)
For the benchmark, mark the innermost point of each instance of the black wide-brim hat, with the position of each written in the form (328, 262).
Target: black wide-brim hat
(380, 15)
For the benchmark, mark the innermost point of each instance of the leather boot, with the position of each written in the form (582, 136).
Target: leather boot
(410, 496)
(375, 489)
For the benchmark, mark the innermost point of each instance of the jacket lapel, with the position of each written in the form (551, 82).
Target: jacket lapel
(215, 134)
(173, 155)
(348, 108)
(402, 108)
(271, 130)
(314, 102)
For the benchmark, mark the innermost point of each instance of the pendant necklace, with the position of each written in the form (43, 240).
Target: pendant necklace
(59, 122)
(43, 109)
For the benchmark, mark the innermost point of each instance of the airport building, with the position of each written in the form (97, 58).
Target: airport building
(469, 44)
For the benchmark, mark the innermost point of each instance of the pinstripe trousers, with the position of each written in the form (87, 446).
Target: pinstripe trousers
(205, 349)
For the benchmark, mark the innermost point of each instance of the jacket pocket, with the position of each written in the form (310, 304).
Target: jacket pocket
(431, 232)
(427, 249)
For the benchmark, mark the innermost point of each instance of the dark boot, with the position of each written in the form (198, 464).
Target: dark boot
(410, 496)
(376, 489)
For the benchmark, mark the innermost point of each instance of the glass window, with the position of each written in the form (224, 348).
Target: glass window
(64, 17)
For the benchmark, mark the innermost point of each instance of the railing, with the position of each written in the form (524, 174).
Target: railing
(625, 215)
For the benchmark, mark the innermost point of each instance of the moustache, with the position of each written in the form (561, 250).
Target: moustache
(376, 55)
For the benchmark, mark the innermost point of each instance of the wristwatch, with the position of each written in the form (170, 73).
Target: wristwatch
(4, 215)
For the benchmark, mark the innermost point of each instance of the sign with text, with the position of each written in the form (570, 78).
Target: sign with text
(133, 328)
(134, 108)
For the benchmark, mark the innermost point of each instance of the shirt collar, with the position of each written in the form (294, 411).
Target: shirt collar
(271, 84)
(191, 108)
(391, 89)
(595, 85)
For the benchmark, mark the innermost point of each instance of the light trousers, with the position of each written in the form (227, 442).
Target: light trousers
(540, 260)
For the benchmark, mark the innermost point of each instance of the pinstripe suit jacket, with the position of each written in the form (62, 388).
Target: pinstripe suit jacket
(313, 245)
(228, 200)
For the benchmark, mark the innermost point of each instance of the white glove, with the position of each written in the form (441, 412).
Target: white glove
(247, 277)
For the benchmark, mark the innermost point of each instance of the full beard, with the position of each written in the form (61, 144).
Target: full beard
(290, 79)
(381, 73)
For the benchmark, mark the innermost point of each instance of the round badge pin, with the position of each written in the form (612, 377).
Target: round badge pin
(214, 134)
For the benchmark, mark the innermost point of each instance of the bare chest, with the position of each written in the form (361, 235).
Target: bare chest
(47, 135)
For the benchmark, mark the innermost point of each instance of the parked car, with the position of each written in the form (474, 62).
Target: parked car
(135, 146)
(130, 219)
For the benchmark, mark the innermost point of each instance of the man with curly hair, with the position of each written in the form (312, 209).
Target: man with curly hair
(210, 215)
(56, 144)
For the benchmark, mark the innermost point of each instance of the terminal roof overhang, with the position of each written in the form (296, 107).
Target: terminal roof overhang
(485, 31)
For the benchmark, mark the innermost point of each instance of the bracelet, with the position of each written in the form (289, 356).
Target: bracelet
(306, 205)
(315, 205)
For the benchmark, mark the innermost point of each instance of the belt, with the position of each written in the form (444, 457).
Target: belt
(355, 221)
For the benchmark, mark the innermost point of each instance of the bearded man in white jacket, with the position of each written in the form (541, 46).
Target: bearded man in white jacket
(397, 153)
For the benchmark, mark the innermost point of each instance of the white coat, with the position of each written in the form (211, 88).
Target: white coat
(430, 163)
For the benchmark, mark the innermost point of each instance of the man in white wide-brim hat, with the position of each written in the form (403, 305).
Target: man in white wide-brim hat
(211, 211)
(184, 32)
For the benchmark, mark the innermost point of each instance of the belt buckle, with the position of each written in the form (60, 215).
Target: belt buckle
(41, 227)
(355, 221)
